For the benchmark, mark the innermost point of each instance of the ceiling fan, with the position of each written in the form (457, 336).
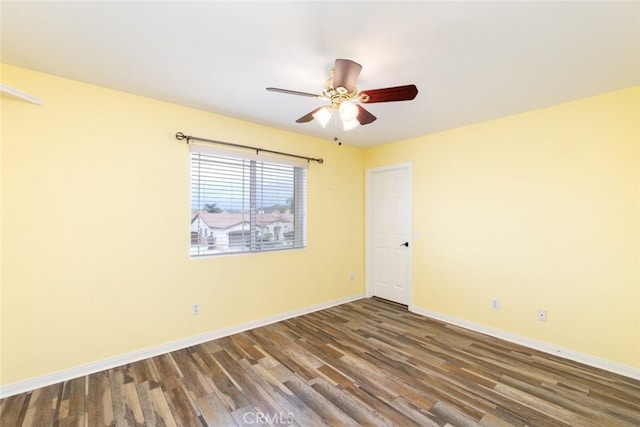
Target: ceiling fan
(340, 89)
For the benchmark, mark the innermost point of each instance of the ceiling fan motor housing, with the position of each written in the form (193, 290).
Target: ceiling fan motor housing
(339, 95)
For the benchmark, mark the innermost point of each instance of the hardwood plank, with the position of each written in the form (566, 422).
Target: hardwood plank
(248, 417)
(184, 412)
(452, 416)
(214, 412)
(502, 418)
(281, 350)
(13, 409)
(247, 346)
(168, 373)
(192, 377)
(550, 409)
(380, 408)
(348, 404)
(143, 371)
(154, 405)
(251, 390)
(289, 401)
(126, 403)
(580, 404)
(99, 403)
(414, 412)
(73, 402)
(224, 387)
(326, 410)
(336, 377)
(42, 405)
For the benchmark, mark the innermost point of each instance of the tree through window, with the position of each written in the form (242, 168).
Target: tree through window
(245, 203)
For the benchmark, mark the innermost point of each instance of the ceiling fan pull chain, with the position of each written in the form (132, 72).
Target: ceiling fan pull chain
(338, 138)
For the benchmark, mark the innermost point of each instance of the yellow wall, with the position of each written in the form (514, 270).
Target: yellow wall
(540, 210)
(95, 228)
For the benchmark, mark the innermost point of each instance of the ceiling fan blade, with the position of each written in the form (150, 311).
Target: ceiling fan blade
(364, 117)
(308, 117)
(389, 94)
(346, 74)
(293, 92)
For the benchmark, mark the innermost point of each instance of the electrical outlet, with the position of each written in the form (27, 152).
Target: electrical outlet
(542, 315)
(351, 277)
(195, 309)
(495, 304)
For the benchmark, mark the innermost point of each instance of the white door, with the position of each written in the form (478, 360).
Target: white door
(388, 233)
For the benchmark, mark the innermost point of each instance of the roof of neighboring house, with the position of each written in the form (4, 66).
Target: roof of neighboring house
(229, 219)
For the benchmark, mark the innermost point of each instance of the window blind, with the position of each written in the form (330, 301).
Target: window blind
(245, 203)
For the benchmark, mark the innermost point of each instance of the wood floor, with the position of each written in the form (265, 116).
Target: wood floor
(368, 362)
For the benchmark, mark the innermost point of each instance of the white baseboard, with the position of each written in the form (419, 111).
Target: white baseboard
(607, 365)
(112, 362)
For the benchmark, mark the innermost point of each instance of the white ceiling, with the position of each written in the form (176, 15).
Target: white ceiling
(472, 61)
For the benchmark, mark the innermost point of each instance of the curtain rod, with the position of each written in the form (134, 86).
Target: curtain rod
(181, 136)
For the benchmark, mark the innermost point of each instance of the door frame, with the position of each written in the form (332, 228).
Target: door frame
(369, 227)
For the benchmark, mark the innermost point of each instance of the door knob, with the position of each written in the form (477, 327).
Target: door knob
(405, 244)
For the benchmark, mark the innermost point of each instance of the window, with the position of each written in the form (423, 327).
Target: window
(245, 203)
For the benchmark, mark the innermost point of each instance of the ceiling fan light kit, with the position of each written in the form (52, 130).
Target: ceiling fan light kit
(323, 115)
(348, 111)
(341, 91)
